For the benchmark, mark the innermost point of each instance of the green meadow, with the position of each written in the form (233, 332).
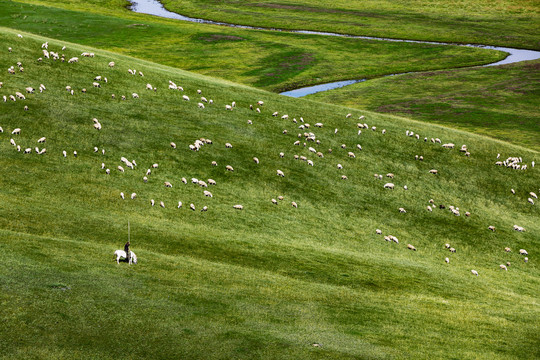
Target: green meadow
(505, 22)
(499, 101)
(266, 282)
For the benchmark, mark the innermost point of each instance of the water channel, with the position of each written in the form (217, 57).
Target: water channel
(154, 7)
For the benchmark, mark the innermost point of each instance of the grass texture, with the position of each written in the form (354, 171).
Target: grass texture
(268, 281)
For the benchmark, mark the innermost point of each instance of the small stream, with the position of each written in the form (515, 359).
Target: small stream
(154, 7)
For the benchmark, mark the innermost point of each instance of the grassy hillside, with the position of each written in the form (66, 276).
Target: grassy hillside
(500, 101)
(268, 281)
(270, 60)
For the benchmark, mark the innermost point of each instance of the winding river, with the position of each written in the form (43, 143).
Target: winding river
(154, 7)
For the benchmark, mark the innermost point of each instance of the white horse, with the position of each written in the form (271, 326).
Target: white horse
(122, 254)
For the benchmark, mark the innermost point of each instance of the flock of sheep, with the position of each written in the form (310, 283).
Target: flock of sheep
(306, 138)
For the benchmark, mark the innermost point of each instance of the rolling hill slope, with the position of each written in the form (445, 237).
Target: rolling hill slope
(268, 281)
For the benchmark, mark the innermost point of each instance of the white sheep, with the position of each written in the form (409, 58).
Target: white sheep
(179, 205)
(192, 207)
(523, 252)
(185, 97)
(294, 205)
(229, 168)
(280, 173)
(256, 160)
(122, 195)
(238, 207)
(411, 247)
(167, 184)
(351, 154)
(211, 182)
(17, 131)
(474, 272)
(121, 169)
(228, 146)
(389, 186)
(503, 267)
(207, 193)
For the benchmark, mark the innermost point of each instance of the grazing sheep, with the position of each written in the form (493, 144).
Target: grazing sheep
(378, 231)
(410, 247)
(75, 153)
(390, 175)
(518, 228)
(526, 259)
(402, 210)
(185, 97)
(447, 260)
(184, 180)
(108, 171)
(133, 196)
(96, 84)
(135, 95)
(351, 154)
(280, 198)
(503, 267)
(238, 207)
(530, 200)
(167, 184)
(533, 195)
(429, 208)
(122, 195)
(162, 204)
(211, 182)
(294, 205)
(491, 227)
(280, 173)
(17, 131)
(155, 166)
(42, 140)
(523, 252)
(452, 250)
(281, 155)
(228, 146)
(229, 168)
(389, 186)
(344, 177)
(121, 169)
(433, 171)
(274, 201)
(474, 272)
(205, 208)
(256, 160)
(207, 193)
(173, 145)
(228, 107)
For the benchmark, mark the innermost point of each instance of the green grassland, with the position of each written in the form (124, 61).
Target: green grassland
(504, 22)
(267, 281)
(499, 101)
(274, 61)
(476, 21)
